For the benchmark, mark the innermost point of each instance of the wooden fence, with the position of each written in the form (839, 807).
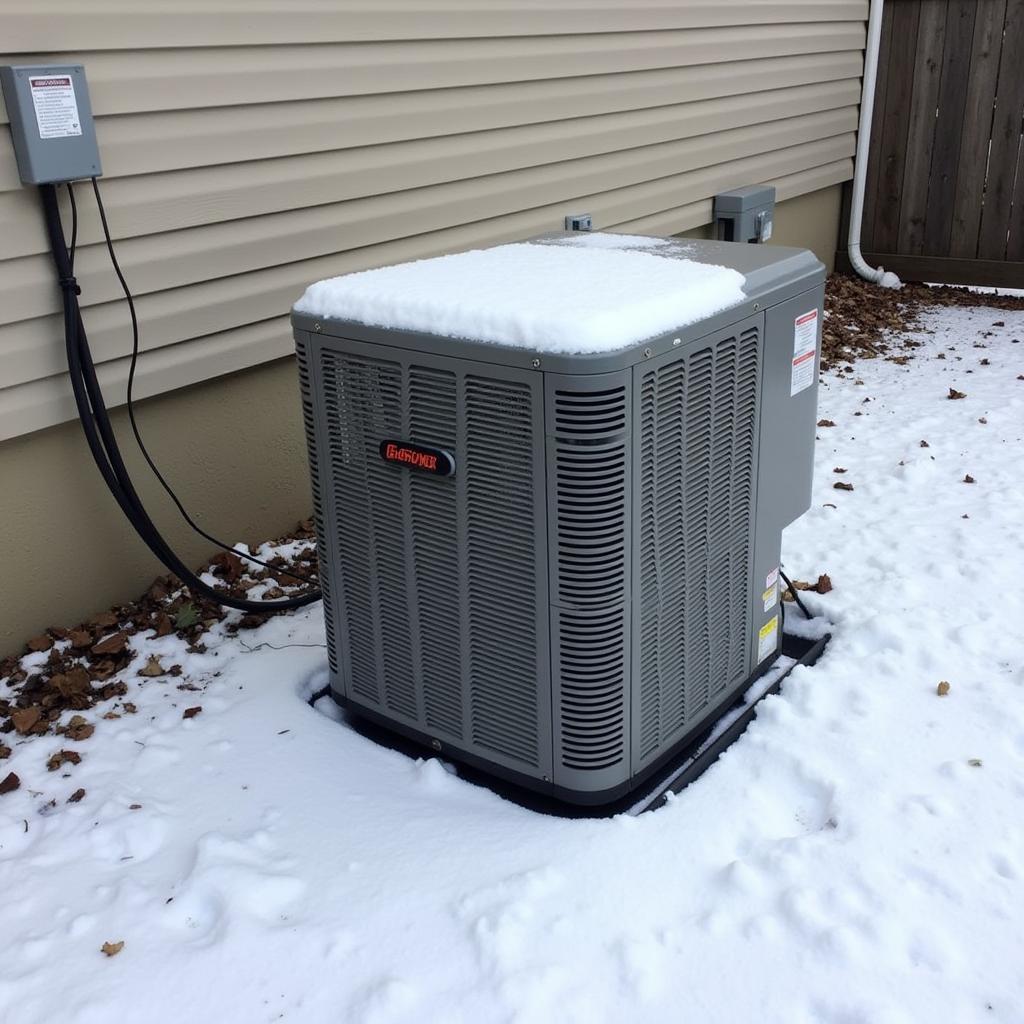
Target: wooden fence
(945, 187)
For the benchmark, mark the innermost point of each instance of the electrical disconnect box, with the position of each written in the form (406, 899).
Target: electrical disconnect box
(745, 214)
(51, 122)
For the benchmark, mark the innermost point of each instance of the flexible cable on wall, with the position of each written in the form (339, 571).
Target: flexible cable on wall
(99, 434)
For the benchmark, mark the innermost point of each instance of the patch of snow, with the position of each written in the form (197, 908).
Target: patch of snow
(547, 298)
(858, 855)
(611, 240)
(890, 280)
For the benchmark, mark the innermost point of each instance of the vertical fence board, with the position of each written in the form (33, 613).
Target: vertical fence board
(974, 143)
(999, 213)
(871, 201)
(895, 119)
(931, 35)
(956, 67)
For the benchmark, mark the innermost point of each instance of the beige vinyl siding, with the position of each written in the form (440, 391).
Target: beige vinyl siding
(248, 151)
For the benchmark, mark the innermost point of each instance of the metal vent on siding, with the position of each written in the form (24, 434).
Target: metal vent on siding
(322, 556)
(433, 411)
(501, 569)
(591, 497)
(362, 404)
(697, 420)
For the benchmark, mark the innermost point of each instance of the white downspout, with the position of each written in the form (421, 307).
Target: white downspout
(860, 167)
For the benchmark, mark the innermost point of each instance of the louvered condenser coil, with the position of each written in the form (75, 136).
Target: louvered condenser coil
(558, 561)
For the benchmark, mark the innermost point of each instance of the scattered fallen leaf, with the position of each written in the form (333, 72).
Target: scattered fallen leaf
(25, 718)
(985, 362)
(113, 644)
(998, 323)
(111, 716)
(968, 479)
(4, 751)
(40, 643)
(975, 762)
(841, 485)
(187, 615)
(78, 728)
(925, 444)
(73, 683)
(839, 469)
(112, 948)
(824, 584)
(965, 516)
(942, 689)
(80, 638)
(9, 784)
(981, 419)
(62, 757)
(129, 707)
(191, 712)
(953, 393)
(826, 423)
(105, 620)
(135, 807)
(152, 667)
(76, 796)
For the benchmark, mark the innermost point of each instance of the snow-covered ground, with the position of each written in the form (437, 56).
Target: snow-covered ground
(856, 858)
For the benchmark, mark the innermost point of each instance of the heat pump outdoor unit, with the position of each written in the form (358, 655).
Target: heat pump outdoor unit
(550, 482)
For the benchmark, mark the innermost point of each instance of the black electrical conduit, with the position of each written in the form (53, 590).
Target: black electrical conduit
(99, 434)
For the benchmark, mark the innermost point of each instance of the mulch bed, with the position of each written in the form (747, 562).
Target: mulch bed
(863, 321)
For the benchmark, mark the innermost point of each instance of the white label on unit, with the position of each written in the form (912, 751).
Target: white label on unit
(767, 638)
(772, 578)
(805, 345)
(53, 97)
(769, 597)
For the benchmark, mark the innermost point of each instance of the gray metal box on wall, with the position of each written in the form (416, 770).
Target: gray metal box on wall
(745, 214)
(51, 122)
(562, 567)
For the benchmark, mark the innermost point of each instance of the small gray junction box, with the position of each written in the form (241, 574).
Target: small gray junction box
(745, 214)
(51, 122)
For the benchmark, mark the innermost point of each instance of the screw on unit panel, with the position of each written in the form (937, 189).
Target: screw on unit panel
(647, 353)
(436, 744)
(316, 327)
(535, 363)
(757, 306)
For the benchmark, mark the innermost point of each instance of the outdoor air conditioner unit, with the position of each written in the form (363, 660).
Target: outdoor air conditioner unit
(557, 565)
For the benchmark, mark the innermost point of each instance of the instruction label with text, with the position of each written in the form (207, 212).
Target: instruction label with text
(805, 346)
(53, 97)
(767, 638)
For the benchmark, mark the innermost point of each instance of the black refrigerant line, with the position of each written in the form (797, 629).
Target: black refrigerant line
(99, 434)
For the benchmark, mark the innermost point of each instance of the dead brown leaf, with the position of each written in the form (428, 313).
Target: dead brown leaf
(841, 485)
(112, 948)
(953, 393)
(9, 784)
(839, 469)
(76, 796)
(80, 638)
(826, 423)
(61, 758)
(25, 718)
(968, 479)
(40, 643)
(78, 728)
(191, 712)
(5, 752)
(925, 444)
(942, 689)
(152, 668)
(113, 644)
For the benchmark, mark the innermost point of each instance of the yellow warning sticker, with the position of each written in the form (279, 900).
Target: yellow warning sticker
(770, 596)
(767, 638)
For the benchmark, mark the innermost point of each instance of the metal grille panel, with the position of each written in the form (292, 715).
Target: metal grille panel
(698, 421)
(439, 575)
(589, 479)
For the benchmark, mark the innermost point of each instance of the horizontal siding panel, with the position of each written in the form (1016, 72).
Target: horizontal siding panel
(251, 147)
(47, 401)
(30, 26)
(28, 348)
(173, 140)
(186, 199)
(173, 259)
(175, 79)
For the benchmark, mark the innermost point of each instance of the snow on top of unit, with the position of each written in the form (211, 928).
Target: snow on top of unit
(610, 240)
(593, 296)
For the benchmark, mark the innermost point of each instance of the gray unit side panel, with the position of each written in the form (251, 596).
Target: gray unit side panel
(695, 461)
(440, 583)
(786, 444)
(589, 420)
